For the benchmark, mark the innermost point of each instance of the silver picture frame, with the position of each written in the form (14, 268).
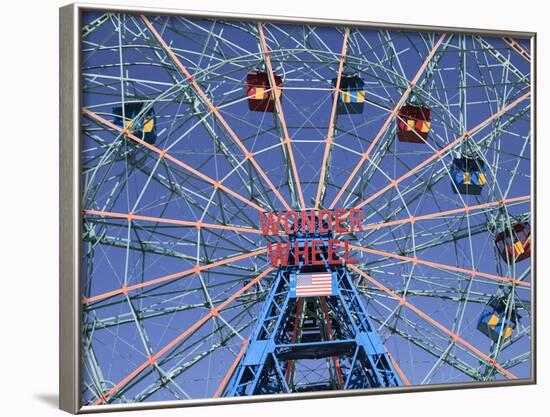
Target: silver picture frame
(70, 219)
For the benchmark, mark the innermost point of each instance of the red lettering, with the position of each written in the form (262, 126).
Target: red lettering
(308, 221)
(291, 226)
(311, 252)
(278, 255)
(356, 219)
(325, 215)
(338, 214)
(333, 252)
(271, 225)
(301, 252)
(316, 258)
(347, 258)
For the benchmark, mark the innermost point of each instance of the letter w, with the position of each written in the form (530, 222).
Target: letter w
(271, 225)
(278, 253)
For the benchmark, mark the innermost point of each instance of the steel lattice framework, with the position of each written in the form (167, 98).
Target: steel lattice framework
(176, 272)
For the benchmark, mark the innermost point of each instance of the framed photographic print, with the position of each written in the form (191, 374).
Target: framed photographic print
(260, 208)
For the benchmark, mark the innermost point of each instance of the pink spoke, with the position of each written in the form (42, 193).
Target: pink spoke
(403, 301)
(440, 153)
(166, 155)
(248, 155)
(151, 361)
(287, 140)
(195, 270)
(389, 119)
(415, 260)
(231, 369)
(330, 133)
(465, 209)
(185, 223)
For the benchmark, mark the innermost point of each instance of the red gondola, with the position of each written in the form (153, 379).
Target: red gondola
(259, 93)
(515, 246)
(413, 123)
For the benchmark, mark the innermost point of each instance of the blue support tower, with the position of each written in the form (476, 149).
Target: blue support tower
(312, 343)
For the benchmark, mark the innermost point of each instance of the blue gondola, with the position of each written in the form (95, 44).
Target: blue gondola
(493, 320)
(351, 96)
(468, 175)
(142, 125)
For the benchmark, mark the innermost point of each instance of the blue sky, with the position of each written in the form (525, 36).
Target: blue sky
(467, 81)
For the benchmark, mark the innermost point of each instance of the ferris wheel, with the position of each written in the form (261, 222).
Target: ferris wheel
(193, 129)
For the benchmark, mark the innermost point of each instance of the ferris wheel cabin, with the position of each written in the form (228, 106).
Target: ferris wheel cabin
(468, 175)
(137, 121)
(259, 92)
(493, 320)
(515, 245)
(413, 123)
(351, 96)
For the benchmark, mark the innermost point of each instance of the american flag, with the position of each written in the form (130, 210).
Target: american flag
(314, 284)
